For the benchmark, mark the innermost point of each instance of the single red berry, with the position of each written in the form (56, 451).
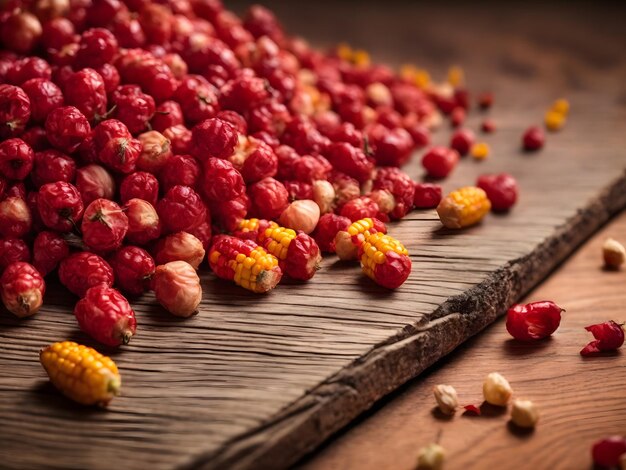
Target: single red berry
(301, 134)
(80, 271)
(255, 160)
(60, 206)
(536, 320)
(140, 185)
(16, 159)
(143, 222)
(345, 132)
(57, 33)
(229, 214)
(361, 208)
(128, 31)
(22, 289)
(326, 231)
(180, 246)
(197, 98)
(15, 217)
(485, 100)
(298, 190)
(457, 117)
(271, 117)
(49, 249)
(155, 151)
(181, 209)
(36, 138)
(440, 161)
(180, 139)
(607, 452)
(234, 119)
(102, 12)
(27, 69)
(350, 160)
(488, 126)
(156, 21)
(427, 195)
(213, 138)
(94, 182)
(462, 141)
(260, 21)
(44, 97)
(400, 185)
(180, 170)
(177, 288)
(133, 268)
(132, 107)
(107, 130)
(15, 110)
(420, 134)
(105, 315)
(121, 154)
(309, 169)
(104, 225)
(20, 32)
(243, 93)
(268, 198)
(67, 128)
(13, 250)
(501, 190)
(390, 147)
(533, 139)
(167, 114)
(96, 47)
(222, 182)
(52, 166)
(85, 90)
(609, 336)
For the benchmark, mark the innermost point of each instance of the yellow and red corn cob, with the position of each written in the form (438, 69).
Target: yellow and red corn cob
(245, 263)
(298, 254)
(463, 207)
(81, 373)
(348, 241)
(385, 260)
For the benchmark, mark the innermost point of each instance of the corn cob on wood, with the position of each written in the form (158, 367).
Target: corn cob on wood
(298, 254)
(385, 260)
(81, 373)
(245, 263)
(347, 242)
(463, 207)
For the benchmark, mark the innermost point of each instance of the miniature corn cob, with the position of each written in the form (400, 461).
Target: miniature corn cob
(245, 263)
(81, 373)
(347, 242)
(298, 254)
(463, 207)
(385, 260)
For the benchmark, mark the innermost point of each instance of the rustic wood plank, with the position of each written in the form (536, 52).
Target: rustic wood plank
(259, 381)
(581, 399)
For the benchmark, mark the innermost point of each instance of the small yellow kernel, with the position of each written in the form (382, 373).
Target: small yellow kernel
(560, 106)
(215, 256)
(480, 150)
(554, 121)
(456, 76)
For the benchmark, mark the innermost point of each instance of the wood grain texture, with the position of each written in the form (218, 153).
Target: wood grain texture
(581, 399)
(258, 381)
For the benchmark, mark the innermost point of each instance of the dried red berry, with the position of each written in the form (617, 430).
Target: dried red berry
(60, 206)
(427, 195)
(177, 288)
(326, 231)
(390, 147)
(22, 289)
(462, 141)
(180, 139)
(155, 151)
(85, 90)
(255, 160)
(168, 114)
(140, 185)
(180, 246)
(440, 161)
(67, 128)
(16, 159)
(457, 117)
(110, 76)
(52, 166)
(179, 170)
(15, 110)
(213, 138)
(57, 33)
(229, 214)
(243, 93)
(501, 190)
(349, 160)
(222, 182)
(104, 225)
(133, 268)
(420, 134)
(44, 97)
(143, 222)
(20, 31)
(133, 107)
(96, 47)
(181, 209)
(533, 139)
(94, 182)
(607, 452)
(488, 126)
(268, 198)
(609, 336)
(105, 315)
(360, 208)
(197, 98)
(400, 185)
(80, 271)
(13, 250)
(121, 154)
(536, 320)
(49, 249)
(15, 218)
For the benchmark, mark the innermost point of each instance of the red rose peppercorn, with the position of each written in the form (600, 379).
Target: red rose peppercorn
(60, 206)
(97, 46)
(349, 160)
(462, 141)
(222, 182)
(15, 111)
(44, 97)
(533, 321)
(94, 182)
(133, 268)
(181, 209)
(177, 288)
(609, 336)
(16, 159)
(104, 225)
(180, 170)
(105, 315)
(501, 190)
(80, 271)
(326, 231)
(143, 222)
(85, 90)
(180, 246)
(440, 161)
(427, 195)
(49, 249)
(255, 160)
(15, 217)
(168, 114)
(13, 250)
(140, 185)
(533, 139)
(67, 128)
(268, 199)
(22, 289)
(133, 107)
(213, 138)
(52, 166)
(197, 98)
(107, 130)
(121, 154)
(607, 452)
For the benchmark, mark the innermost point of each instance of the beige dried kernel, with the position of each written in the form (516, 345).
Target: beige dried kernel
(524, 414)
(447, 399)
(431, 457)
(497, 390)
(613, 253)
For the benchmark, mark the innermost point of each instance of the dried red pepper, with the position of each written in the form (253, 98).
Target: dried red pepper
(533, 321)
(609, 336)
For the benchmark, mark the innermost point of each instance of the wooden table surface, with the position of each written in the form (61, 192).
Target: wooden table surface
(580, 399)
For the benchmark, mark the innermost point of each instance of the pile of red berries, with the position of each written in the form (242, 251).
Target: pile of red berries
(132, 131)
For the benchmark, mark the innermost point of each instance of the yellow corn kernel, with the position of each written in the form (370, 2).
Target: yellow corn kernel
(554, 121)
(374, 251)
(560, 106)
(81, 373)
(408, 72)
(463, 207)
(422, 78)
(480, 150)
(456, 76)
(344, 52)
(361, 58)
(280, 237)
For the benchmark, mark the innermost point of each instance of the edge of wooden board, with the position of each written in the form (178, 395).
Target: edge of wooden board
(305, 424)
